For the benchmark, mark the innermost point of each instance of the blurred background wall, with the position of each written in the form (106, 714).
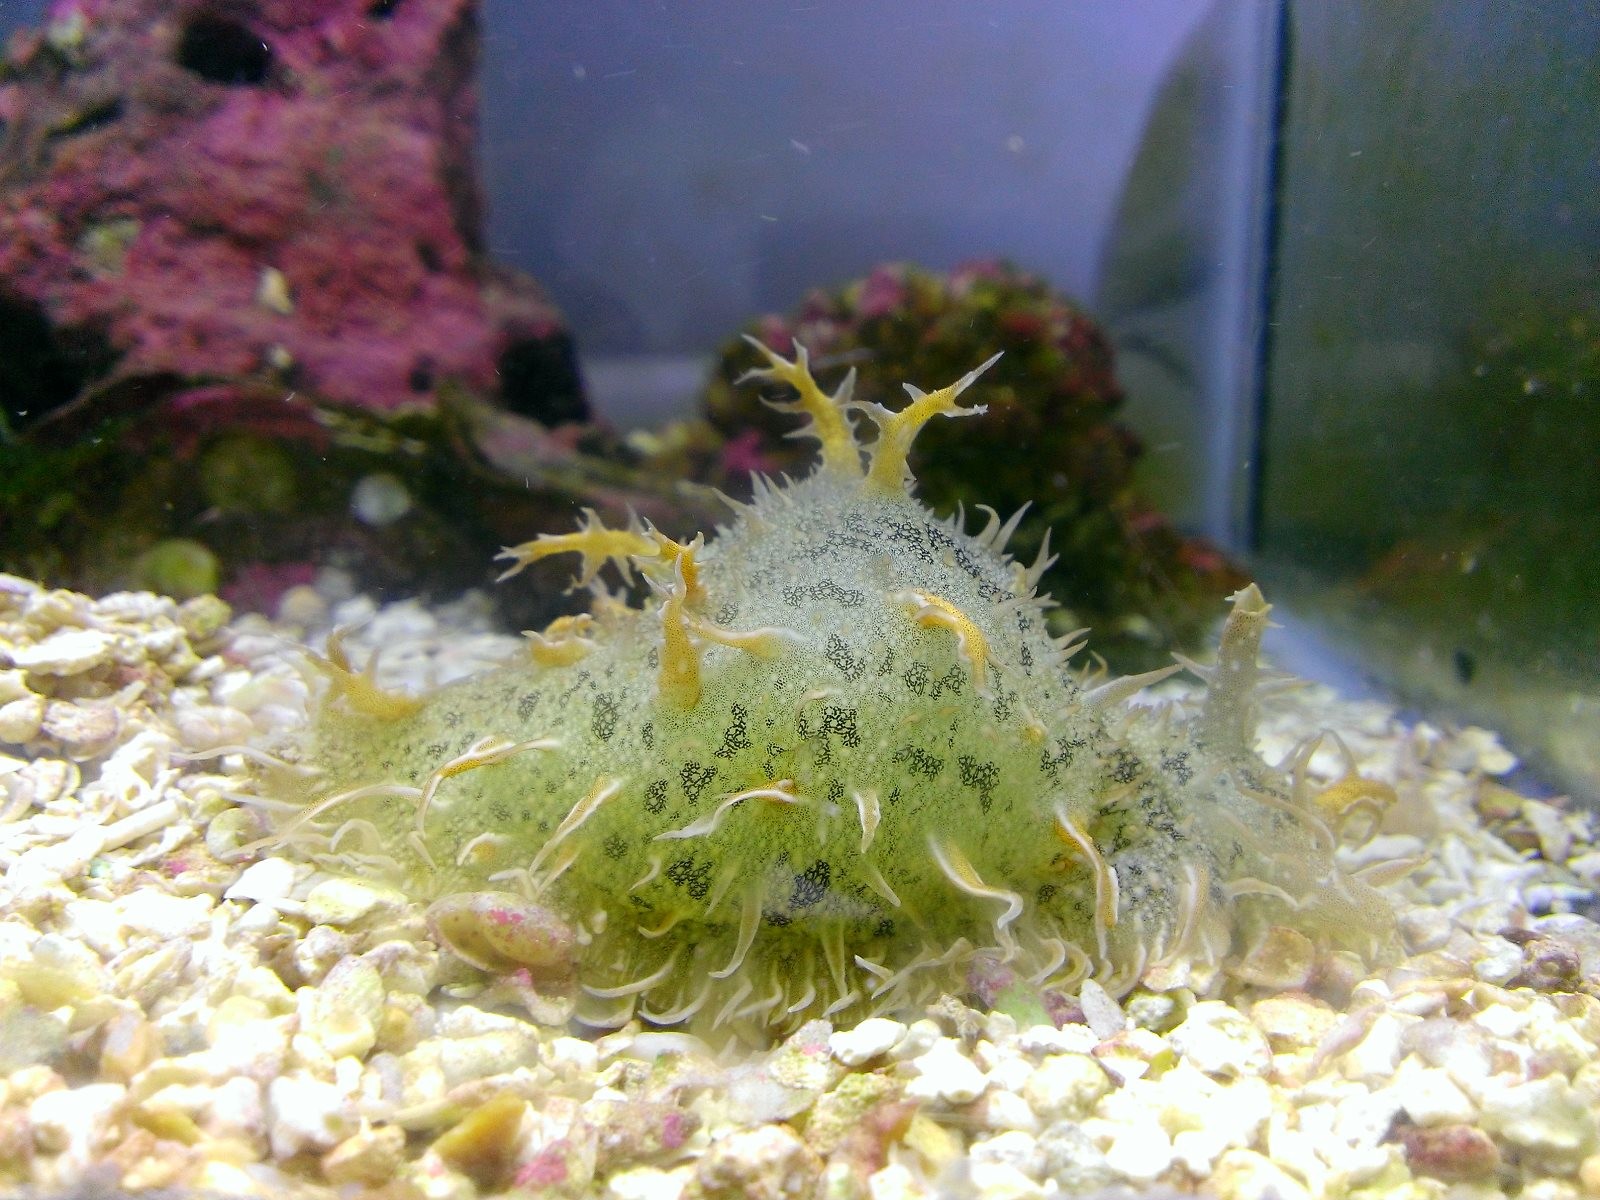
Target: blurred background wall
(670, 169)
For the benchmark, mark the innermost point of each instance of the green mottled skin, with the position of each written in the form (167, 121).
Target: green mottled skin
(860, 700)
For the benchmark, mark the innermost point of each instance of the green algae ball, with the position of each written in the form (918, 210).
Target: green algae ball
(179, 567)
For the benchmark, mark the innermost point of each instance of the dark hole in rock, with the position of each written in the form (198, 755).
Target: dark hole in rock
(382, 9)
(224, 52)
(539, 379)
(421, 377)
(41, 367)
(428, 255)
(98, 116)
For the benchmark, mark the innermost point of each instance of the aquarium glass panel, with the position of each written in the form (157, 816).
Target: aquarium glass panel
(1429, 487)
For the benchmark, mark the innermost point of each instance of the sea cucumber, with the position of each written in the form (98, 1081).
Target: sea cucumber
(831, 760)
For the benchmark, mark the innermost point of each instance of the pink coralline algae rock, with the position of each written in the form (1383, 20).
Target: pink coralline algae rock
(275, 191)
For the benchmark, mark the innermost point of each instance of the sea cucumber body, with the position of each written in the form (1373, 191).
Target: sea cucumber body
(882, 767)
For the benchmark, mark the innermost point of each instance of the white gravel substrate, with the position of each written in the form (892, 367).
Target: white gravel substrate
(174, 1014)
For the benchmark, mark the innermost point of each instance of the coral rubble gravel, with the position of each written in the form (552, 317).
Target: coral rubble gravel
(178, 1011)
